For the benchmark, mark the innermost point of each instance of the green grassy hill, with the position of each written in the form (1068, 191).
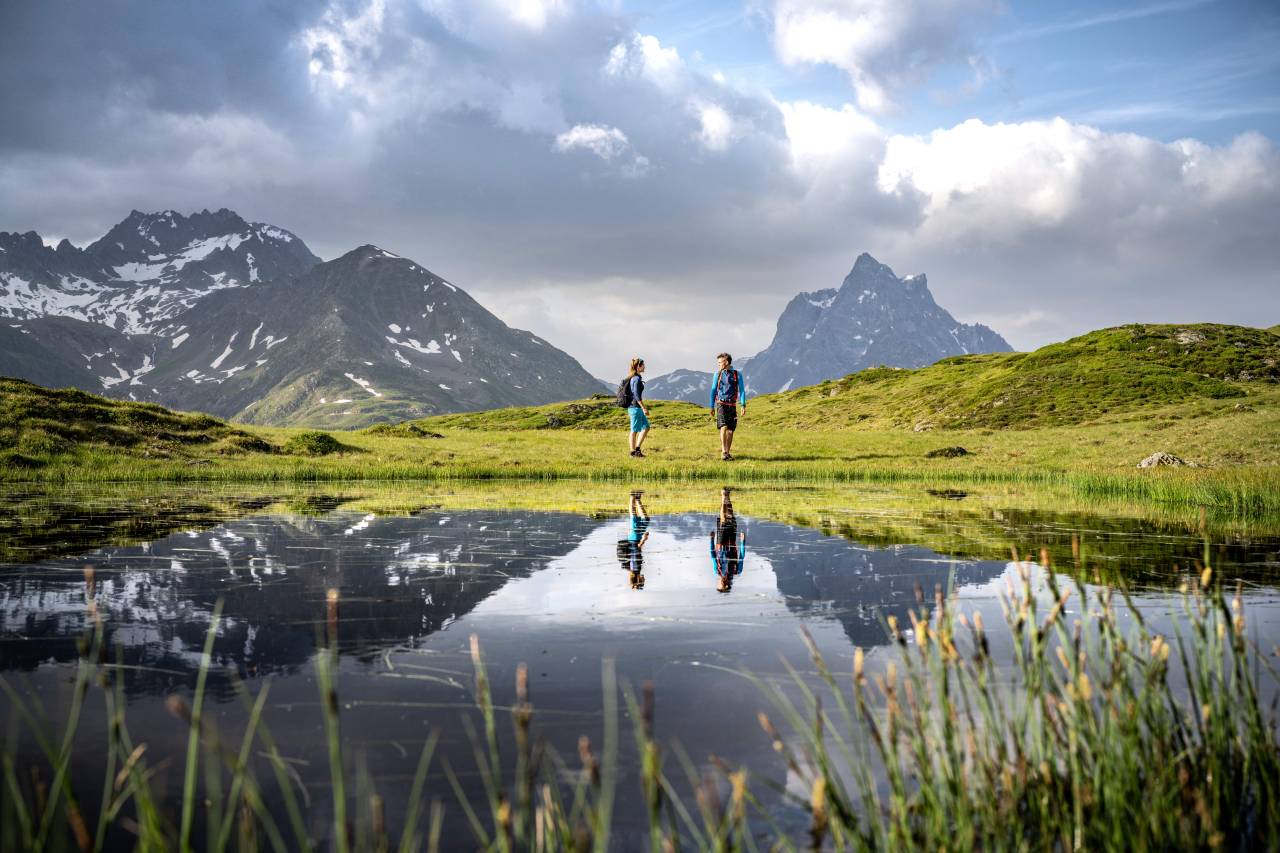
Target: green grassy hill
(37, 423)
(1110, 372)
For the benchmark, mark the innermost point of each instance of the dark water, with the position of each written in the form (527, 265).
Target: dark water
(685, 600)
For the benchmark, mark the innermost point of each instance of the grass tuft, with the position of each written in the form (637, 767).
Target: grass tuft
(314, 443)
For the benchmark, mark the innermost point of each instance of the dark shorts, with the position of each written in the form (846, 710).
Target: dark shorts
(726, 416)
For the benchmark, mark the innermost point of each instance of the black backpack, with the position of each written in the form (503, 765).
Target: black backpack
(624, 400)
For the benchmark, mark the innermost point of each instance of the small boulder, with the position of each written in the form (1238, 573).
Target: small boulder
(946, 453)
(1156, 460)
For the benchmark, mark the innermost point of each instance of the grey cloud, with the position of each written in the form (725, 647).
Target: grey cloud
(441, 147)
(71, 68)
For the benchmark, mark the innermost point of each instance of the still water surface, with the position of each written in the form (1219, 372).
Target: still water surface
(685, 598)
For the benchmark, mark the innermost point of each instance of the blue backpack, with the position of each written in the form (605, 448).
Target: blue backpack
(733, 383)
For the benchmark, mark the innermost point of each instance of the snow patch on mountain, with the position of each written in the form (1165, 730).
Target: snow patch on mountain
(432, 347)
(363, 383)
(217, 362)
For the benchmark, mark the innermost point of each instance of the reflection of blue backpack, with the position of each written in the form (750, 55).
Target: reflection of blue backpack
(630, 557)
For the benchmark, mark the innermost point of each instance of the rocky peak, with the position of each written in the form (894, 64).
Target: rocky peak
(864, 264)
(12, 241)
(873, 318)
(142, 235)
(146, 269)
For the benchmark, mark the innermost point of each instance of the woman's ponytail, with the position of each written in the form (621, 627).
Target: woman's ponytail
(635, 367)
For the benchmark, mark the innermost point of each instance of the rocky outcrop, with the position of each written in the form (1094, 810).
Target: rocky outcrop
(874, 318)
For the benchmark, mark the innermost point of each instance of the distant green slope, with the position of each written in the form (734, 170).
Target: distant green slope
(38, 422)
(598, 412)
(1106, 372)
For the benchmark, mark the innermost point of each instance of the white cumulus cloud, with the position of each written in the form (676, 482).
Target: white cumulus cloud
(716, 125)
(1002, 179)
(644, 56)
(603, 141)
(880, 44)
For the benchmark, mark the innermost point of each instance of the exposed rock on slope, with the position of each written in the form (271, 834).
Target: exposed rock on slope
(370, 336)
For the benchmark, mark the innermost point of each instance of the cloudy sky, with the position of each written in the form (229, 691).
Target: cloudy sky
(661, 178)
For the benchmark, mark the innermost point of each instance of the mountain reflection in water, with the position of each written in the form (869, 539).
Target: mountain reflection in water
(402, 579)
(684, 599)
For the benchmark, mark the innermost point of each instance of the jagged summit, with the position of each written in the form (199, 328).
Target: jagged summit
(873, 318)
(369, 250)
(146, 270)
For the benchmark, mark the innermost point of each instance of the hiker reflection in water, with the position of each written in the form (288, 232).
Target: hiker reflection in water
(728, 546)
(631, 549)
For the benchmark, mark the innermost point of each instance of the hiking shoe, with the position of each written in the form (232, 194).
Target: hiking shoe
(638, 453)
(725, 457)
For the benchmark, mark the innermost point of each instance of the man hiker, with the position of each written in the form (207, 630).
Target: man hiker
(728, 390)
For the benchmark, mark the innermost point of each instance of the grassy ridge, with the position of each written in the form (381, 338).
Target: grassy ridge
(36, 423)
(1110, 372)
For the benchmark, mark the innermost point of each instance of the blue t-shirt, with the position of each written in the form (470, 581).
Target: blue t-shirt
(637, 390)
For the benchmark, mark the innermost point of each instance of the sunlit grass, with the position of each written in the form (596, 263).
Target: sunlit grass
(1236, 446)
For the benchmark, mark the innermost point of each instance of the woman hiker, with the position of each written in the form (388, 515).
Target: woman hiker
(638, 411)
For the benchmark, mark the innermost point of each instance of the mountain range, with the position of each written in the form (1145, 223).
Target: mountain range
(212, 313)
(874, 318)
(240, 319)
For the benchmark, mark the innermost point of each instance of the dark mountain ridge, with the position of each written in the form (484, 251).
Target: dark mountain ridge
(146, 270)
(212, 313)
(874, 318)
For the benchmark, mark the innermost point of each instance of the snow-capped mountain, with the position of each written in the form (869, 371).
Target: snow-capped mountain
(212, 313)
(368, 337)
(691, 385)
(144, 271)
(873, 318)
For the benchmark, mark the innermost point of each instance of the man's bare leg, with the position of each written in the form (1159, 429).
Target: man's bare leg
(728, 441)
